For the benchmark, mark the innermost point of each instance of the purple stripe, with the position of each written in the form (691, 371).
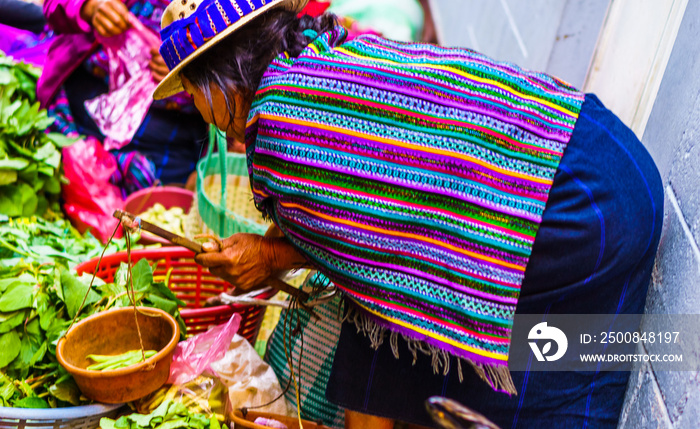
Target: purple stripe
(522, 214)
(498, 272)
(419, 274)
(542, 81)
(424, 231)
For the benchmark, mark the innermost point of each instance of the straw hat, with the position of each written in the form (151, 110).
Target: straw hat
(190, 27)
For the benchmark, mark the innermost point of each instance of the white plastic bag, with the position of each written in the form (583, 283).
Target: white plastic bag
(250, 381)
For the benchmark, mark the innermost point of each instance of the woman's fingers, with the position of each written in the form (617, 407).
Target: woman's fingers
(211, 259)
(158, 68)
(104, 27)
(111, 18)
(158, 71)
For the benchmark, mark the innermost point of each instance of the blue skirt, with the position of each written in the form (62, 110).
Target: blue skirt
(594, 253)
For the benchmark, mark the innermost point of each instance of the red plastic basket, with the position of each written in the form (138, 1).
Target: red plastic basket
(192, 284)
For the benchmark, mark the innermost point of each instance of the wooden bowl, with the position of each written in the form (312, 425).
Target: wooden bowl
(114, 332)
(291, 422)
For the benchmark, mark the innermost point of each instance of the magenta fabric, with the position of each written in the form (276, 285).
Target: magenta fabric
(23, 45)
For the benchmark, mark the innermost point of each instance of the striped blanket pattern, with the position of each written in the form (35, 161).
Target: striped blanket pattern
(414, 177)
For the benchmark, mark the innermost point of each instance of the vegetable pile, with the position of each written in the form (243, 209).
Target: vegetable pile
(43, 241)
(171, 219)
(169, 415)
(30, 178)
(37, 304)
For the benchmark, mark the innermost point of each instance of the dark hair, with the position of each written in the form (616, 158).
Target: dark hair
(237, 63)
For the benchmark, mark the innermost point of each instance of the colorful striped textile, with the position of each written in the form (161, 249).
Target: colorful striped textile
(414, 177)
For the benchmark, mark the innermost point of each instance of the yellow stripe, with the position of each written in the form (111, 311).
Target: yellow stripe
(406, 145)
(467, 75)
(437, 336)
(406, 235)
(259, 192)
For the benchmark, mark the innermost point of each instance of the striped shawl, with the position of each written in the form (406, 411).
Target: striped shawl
(414, 177)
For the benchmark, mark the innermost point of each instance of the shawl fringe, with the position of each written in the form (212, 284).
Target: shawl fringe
(498, 377)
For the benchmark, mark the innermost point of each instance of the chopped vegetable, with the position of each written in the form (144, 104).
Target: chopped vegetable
(171, 219)
(110, 362)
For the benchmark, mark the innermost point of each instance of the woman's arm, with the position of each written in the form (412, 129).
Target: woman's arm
(429, 32)
(247, 260)
(64, 16)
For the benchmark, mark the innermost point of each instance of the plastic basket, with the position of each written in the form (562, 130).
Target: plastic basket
(234, 211)
(192, 284)
(83, 417)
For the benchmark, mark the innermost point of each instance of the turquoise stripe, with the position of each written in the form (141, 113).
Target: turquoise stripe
(513, 80)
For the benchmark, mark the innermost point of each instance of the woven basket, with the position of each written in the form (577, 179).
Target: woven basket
(224, 198)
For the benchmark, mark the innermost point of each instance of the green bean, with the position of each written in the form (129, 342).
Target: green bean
(110, 362)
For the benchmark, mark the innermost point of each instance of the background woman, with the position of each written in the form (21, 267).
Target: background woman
(167, 145)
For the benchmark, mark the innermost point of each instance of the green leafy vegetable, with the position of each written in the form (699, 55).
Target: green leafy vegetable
(29, 157)
(74, 291)
(169, 415)
(47, 241)
(9, 347)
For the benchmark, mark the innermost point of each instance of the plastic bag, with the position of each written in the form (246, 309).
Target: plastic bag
(200, 395)
(89, 198)
(250, 381)
(120, 112)
(193, 356)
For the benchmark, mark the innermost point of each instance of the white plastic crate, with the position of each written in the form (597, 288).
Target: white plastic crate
(83, 417)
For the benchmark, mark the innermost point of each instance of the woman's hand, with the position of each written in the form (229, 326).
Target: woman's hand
(157, 65)
(244, 261)
(247, 260)
(108, 17)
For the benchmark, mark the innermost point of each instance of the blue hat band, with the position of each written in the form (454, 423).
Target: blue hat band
(181, 38)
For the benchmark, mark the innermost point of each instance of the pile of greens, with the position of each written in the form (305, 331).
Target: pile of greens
(30, 177)
(44, 241)
(37, 305)
(169, 415)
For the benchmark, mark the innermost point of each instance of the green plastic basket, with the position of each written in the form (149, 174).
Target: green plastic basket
(235, 211)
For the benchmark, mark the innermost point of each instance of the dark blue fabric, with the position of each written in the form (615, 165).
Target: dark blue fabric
(23, 15)
(594, 253)
(170, 139)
